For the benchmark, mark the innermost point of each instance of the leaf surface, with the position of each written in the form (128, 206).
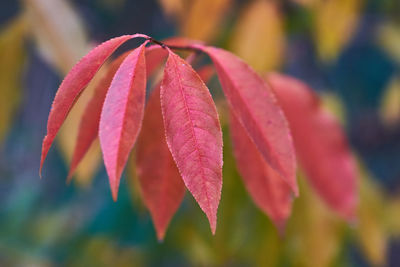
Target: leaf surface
(320, 143)
(206, 72)
(255, 107)
(193, 133)
(160, 182)
(122, 114)
(268, 190)
(155, 54)
(73, 85)
(69, 131)
(162, 187)
(89, 124)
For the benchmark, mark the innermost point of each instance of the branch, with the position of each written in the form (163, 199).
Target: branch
(174, 47)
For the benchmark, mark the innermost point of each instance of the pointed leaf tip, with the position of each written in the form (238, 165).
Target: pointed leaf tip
(114, 191)
(265, 186)
(122, 114)
(321, 144)
(213, 223)
(193, 133)
(162, 187)
(255, 107)
(73, 85)
(89, 123)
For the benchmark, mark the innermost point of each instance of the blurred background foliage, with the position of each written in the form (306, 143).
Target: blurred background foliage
(347, 50)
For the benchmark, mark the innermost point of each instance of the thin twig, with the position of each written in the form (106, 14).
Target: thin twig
(174, 47)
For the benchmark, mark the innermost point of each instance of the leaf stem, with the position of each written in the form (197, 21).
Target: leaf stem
(174, 47)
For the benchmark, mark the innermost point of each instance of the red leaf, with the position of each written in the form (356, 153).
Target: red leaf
(162, 187)
(89, 124)
(206, 72)
(73, 85)
(193, 133)
(159, 178)
(122, 115)
(255, 107)
(268, 190)
(156, 54)
(320, 143)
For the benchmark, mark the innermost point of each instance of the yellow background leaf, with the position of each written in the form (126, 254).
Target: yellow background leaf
(259, 36)
(101, 251)
(12, 54)
(61, 39)
(173, 7)
(389, 38)
(203, 18)
(371, 233)
(315, 231)
(393, 216)
(335, 23)
(69, 132)
(332, 103)
(390, 103)
(59, 32)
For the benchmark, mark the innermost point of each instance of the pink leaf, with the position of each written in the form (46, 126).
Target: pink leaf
(206, 72)
(73, 85)
(155, 54)
(255, 107)
(193, 133)
(268, 190)
(321, 145)
(89, 124)
(159, 178)
(162, 187)
(122, 114)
